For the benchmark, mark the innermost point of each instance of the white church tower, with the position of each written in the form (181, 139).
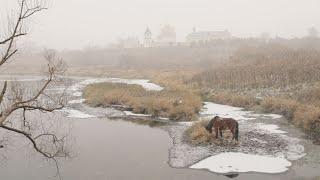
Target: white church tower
(148, 38)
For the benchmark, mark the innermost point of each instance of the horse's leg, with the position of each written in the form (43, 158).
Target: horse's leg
(216, 130)
(220, 130)
(233, 134)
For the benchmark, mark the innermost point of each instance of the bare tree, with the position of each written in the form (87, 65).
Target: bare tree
(15, 100)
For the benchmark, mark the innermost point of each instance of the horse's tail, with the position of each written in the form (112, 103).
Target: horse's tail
(237, 131)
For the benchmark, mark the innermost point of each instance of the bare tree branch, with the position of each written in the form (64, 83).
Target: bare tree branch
(13, 98)
(4, 89)
(24, 13)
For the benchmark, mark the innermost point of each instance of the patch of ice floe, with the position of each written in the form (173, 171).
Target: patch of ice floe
(240, 162)
(72, 113)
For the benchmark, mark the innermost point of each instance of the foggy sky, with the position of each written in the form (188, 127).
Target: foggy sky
(73, 24)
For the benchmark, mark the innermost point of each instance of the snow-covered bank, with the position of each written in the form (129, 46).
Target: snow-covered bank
(263, 146)
(76, 92)
(142, 82)
(240, 162)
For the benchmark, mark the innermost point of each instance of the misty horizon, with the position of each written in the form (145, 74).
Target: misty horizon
(82, 23)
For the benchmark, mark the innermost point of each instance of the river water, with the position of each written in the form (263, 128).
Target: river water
(103, 148)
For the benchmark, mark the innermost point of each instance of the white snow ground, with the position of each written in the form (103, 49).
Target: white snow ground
(240, 162)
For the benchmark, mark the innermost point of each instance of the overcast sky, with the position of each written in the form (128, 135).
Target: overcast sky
(74, 24)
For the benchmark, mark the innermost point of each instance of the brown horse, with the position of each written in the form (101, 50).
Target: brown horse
(219, 124)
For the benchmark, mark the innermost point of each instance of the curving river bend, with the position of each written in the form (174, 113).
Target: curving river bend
(116, 149)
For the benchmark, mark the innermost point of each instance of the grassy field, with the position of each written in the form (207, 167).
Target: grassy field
(285, 80)
(177, 104)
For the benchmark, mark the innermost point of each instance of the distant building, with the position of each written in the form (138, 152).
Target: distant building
(167, 36)
(207, 36)
(130, 42)
(148, 42)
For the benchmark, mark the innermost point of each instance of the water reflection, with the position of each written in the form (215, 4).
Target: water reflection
(231, 175)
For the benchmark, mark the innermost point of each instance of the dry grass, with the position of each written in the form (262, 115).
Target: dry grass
(262, 67)
(301, 114)
(198, 135)
(285, 107)
(176, 104)
(233, 99)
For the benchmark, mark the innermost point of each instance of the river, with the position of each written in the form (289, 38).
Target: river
(103, 148)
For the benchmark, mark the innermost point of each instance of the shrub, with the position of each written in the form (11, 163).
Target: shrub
(306, 116)
(285, 107)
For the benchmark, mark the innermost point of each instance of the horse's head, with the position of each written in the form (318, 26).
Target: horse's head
(210, 124)
(209, 128)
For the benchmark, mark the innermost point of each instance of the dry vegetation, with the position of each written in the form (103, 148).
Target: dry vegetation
(233, 99)
(268, 66)
(288, 77)
(198, 135)
(174, 103)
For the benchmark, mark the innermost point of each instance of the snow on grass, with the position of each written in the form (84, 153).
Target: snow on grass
(240, 162)
(270, 128)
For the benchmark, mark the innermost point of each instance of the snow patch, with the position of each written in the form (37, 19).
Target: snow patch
(270, 128)
(273, 116)
(240, 162)
(129, 113)
(212, 109)
(77, 94)
(72, 113)
(76, 101)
